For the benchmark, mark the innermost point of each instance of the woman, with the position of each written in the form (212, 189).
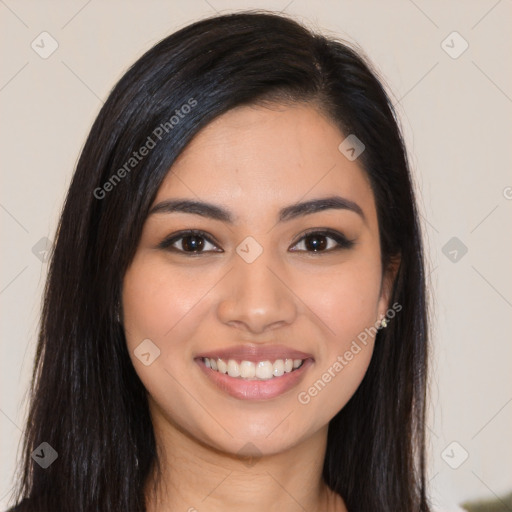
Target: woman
(235, 311)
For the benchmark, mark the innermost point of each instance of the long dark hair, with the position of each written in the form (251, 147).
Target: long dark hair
(87, 401)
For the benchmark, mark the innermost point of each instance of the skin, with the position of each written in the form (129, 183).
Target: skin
(253, 161)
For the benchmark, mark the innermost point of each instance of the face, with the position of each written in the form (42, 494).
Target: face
(260, 258)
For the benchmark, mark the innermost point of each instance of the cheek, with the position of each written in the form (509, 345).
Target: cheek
(334, 382)
(155, 300)
(161, 305)
(345, 300)
(347, 304)
(164, 305)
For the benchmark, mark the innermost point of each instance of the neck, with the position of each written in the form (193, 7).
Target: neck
(195, 477)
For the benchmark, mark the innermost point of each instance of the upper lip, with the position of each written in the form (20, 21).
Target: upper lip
(255, 353)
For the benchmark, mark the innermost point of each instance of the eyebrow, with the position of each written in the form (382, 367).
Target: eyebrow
(288, 213)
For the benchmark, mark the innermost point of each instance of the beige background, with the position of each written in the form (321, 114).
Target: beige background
(456, 116)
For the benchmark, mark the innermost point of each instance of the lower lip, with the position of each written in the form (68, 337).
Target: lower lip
(255, 389)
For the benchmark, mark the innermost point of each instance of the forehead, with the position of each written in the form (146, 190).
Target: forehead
(255, 158)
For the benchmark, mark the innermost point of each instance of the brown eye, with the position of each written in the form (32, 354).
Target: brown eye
(189, 242)
(322, 241)
(192, 243)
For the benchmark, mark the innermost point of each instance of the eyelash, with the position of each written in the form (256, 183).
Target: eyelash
(339, 238)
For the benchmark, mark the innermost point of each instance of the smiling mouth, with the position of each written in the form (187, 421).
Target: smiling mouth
(255, 377)
(249, 370)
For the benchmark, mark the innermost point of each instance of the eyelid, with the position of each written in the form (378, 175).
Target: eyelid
(341, 240)
(167, 243)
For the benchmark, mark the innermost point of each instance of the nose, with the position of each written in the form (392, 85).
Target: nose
(256, 297)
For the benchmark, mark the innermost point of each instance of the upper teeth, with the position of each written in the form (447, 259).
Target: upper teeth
(248, 370)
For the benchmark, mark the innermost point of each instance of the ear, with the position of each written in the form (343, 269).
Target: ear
(388, 280)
